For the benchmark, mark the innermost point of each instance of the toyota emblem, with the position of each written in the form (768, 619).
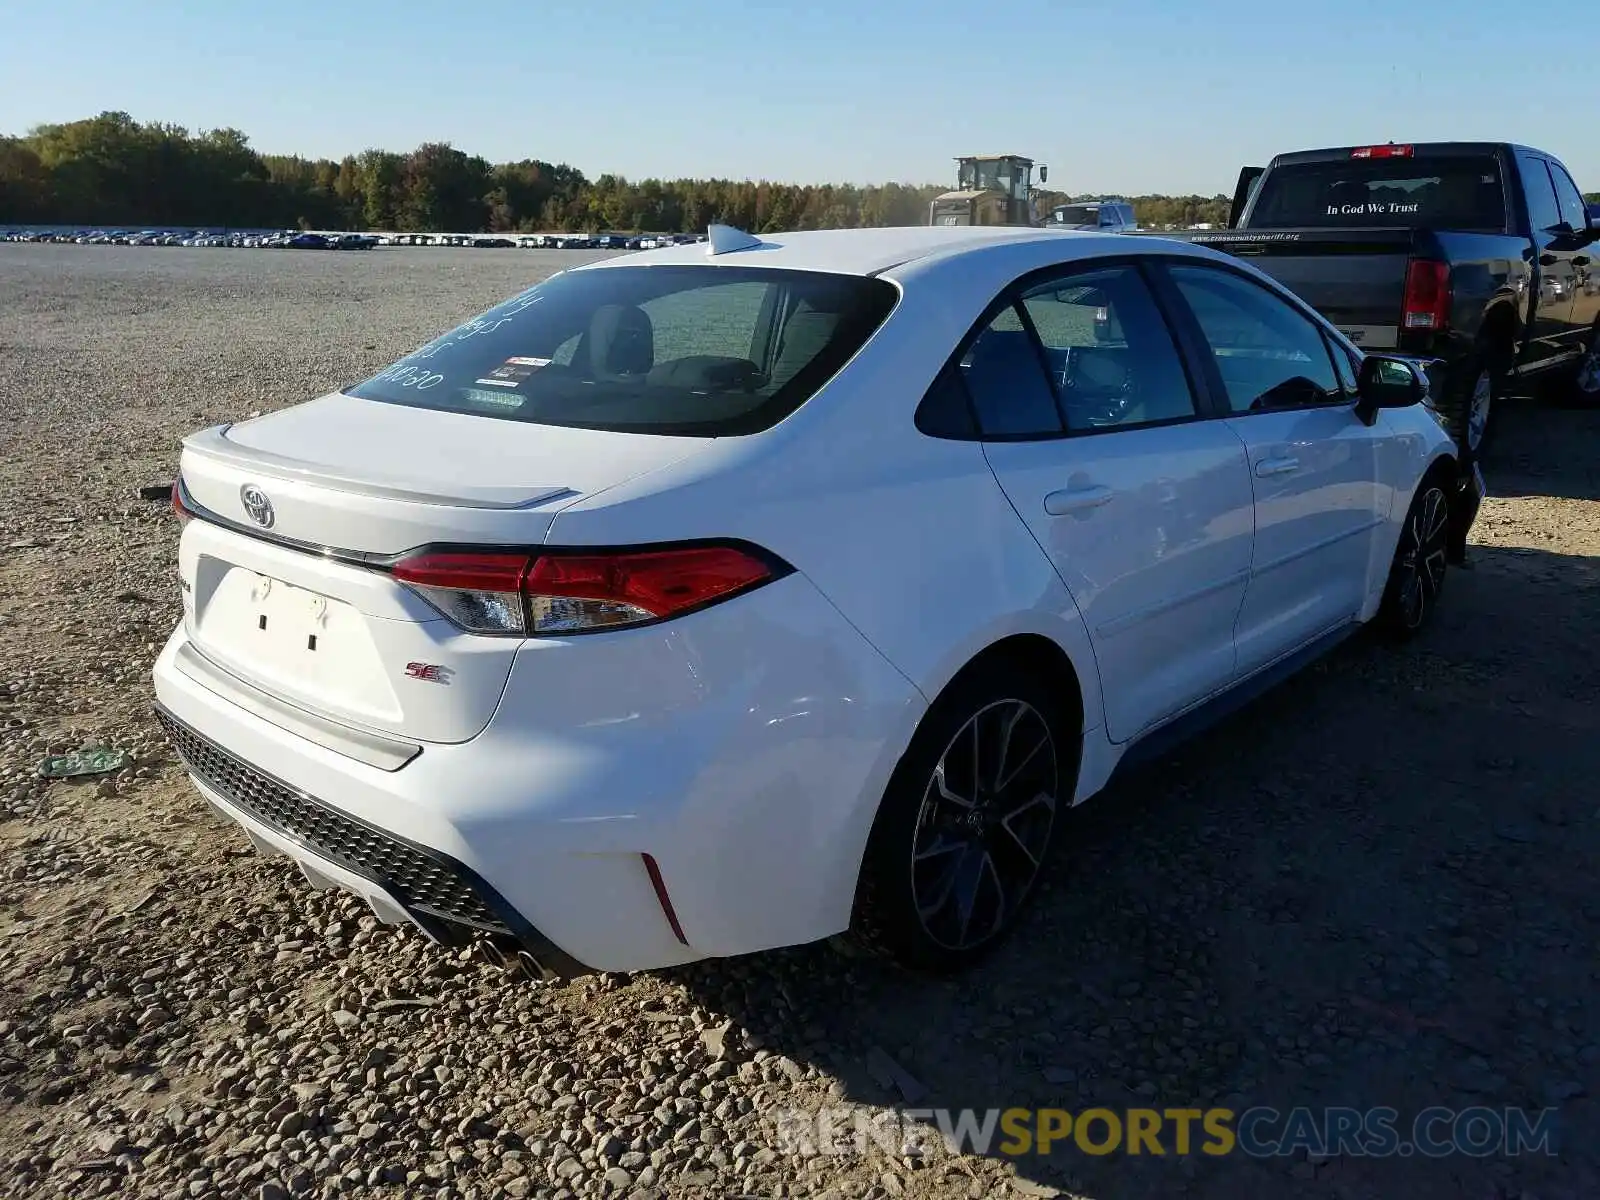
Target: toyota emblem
(256, 505)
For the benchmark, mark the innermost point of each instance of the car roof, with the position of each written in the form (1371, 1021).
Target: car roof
(848, 251)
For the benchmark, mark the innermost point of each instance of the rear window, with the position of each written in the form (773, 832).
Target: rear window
(703, 351)
(1076, 214)
(1431, 192)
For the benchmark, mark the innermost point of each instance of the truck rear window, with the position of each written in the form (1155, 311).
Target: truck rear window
(1434, 193)
(1076, 214)
(703, 351)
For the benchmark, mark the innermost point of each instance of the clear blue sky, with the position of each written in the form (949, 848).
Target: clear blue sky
(1117, 95)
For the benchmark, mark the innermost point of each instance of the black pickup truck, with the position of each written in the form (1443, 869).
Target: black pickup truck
(1477, 254)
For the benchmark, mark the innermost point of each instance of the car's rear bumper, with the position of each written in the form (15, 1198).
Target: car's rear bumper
(401, 880)
(734, 757)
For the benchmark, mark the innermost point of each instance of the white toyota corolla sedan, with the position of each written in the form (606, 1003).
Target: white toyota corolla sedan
(741, 594)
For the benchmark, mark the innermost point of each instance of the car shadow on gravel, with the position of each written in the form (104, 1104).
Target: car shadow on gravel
(1372, 887)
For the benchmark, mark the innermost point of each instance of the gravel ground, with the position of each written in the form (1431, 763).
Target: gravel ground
(1373, 888)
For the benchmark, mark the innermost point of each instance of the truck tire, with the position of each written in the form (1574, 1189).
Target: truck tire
(1472, 394)
(1586, 383)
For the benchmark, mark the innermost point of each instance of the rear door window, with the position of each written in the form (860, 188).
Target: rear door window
(1110, 354)
(1004, 375)
(702, 351)
(1544, 212)
(1436, 192)
(1569, 198)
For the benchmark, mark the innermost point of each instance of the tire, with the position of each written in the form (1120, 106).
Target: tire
(1417, 575)
(957, 846)
(1586, 383)
(1471, 405)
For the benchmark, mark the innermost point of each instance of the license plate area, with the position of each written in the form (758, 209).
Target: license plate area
(295, 622)
(295, 641)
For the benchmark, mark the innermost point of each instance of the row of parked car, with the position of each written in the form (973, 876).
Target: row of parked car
(544, 241)
(285, 239)
(293, 240)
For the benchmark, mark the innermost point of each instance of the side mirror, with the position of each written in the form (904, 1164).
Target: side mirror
(1387, 383)
(1044, 173)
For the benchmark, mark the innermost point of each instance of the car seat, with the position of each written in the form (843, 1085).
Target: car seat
(805, 334)
(620, 343)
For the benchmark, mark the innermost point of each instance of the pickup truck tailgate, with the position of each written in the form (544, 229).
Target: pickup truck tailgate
(1354, 277)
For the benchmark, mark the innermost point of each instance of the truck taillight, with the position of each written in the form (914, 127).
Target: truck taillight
(1389, 151)
(518, 594)
(1427, 302)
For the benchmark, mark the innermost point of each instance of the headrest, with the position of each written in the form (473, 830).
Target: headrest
(621, 341)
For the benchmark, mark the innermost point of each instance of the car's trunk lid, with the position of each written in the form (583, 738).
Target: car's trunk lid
(284, 575)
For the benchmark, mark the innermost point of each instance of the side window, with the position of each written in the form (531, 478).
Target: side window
(1003, 375)
(718, 321)
(1269, 355)
(1543, 210)
(1111, 356)
(945, 411)
(1570, 199)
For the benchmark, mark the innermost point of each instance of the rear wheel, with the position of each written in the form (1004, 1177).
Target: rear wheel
(967, 823)
(1416, 577)
(1587, 382)
(1471, 392)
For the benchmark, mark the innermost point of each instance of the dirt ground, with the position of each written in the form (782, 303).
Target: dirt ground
(1373, 888)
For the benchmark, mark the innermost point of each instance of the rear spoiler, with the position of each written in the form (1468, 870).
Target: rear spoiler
(214, 444)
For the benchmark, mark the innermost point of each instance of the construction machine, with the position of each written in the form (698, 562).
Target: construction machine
(991, 189)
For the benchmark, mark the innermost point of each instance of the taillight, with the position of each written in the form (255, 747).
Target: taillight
(575, 592)
(178, 505)
(567, 592)
(1389, 151)
(479, 592)
(1427, 301)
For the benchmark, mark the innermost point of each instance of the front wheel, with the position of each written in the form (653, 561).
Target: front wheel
(1416, 577)
(967, 823)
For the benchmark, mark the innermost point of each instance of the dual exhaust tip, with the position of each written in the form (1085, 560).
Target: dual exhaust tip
(507, 954)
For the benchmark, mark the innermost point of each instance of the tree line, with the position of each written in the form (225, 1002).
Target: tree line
(111, 170)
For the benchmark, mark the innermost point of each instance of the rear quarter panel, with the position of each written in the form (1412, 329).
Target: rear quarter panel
(909, 536)
(1493, 285)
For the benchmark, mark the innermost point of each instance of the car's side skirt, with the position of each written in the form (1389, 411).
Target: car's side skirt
(1163, 738)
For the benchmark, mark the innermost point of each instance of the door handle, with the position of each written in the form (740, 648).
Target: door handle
(1267, 467)
(1070, 500)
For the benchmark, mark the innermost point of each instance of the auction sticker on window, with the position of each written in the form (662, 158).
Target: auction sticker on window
(512, 372)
